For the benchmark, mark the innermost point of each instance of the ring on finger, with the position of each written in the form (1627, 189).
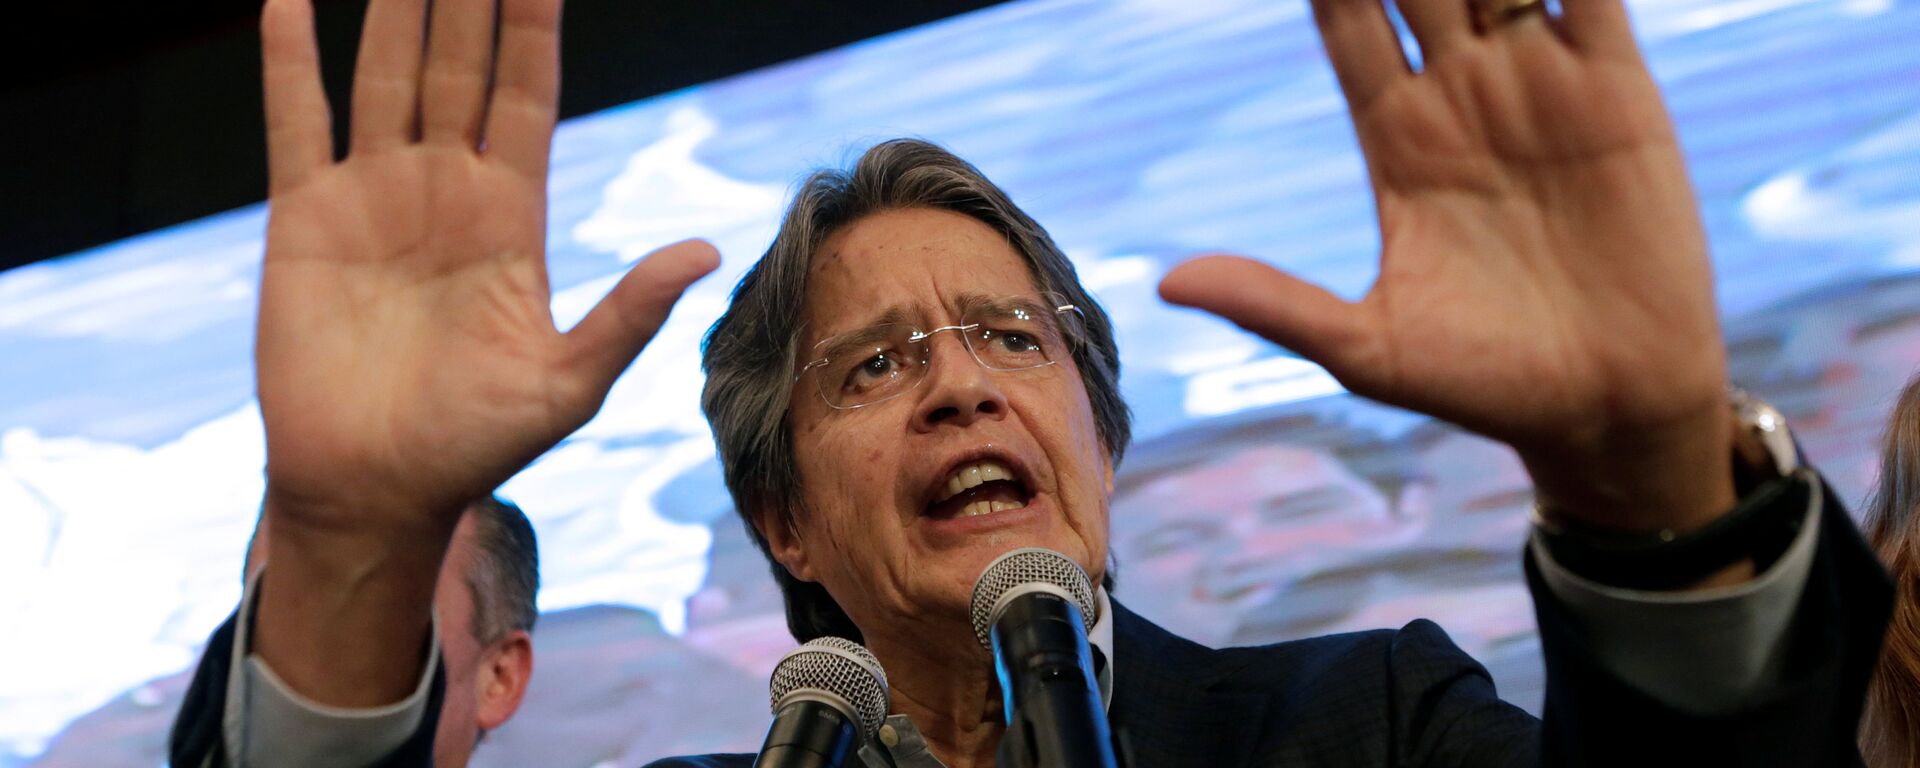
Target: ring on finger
(1493, 14)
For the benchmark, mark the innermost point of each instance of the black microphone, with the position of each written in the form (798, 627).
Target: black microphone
(829, 697)
(1032, 607)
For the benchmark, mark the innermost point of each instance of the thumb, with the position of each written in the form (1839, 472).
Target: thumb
(1278, 307)
(612, 334)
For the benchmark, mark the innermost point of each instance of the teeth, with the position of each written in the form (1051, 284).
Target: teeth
(989, 507)
(975, 474)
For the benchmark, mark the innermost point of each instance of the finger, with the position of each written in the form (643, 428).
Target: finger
(1278, 307)
(1361, 43)
(612, 334)
(1517, 20)
(526, 93)
(299, 124)
(453, 89)
(1440, 26)
(386, 79)
(1600, 28)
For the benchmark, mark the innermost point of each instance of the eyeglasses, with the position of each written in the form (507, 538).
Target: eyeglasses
(882, 362)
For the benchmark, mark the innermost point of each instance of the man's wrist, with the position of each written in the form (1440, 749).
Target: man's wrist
(1732, 549)
(1677, 479)
(367, 516)
(346, 609)
(1759, 465)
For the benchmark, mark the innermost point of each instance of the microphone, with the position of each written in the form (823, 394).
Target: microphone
(1032, 608)
(829, 697)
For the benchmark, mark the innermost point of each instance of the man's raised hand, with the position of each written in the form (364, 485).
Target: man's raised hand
(407, 359)
(1543, 277)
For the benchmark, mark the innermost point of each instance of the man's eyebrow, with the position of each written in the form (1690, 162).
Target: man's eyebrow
(1001, 305)
(894, 314)
(971, 302)
(845, 342)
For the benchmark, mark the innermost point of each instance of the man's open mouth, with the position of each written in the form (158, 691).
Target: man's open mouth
(977, 488)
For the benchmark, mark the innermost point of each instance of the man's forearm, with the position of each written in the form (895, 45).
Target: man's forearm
(344, 615)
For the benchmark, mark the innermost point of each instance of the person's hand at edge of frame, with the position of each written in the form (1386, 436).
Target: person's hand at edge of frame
(1544, 277)
(407, 357)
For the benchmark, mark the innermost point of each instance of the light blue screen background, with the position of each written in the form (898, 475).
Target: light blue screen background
(1139, 133)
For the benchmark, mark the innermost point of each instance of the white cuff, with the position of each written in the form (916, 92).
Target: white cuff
(267, 723)
(1706, 651)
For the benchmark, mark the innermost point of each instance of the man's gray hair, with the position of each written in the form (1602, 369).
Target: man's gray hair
(751, 352)
(504, 579)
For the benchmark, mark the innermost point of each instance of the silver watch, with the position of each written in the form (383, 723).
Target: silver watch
(1764, 443)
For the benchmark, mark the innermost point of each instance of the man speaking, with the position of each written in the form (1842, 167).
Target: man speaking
(912, 382)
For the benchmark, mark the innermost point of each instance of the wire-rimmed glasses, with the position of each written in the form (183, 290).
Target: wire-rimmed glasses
(880, 362)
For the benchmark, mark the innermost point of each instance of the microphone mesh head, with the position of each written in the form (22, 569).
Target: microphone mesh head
(838, 666)
(1028, 565)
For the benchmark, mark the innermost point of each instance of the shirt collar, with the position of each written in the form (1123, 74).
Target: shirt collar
(1101, 639)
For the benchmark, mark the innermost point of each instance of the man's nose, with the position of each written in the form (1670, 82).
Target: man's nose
(959, 389)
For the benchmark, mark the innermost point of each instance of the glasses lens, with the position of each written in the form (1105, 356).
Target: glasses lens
(869, 365)
(1018, 333)
(873, 364)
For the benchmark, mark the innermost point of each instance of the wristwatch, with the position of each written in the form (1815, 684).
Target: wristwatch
(1774, 490)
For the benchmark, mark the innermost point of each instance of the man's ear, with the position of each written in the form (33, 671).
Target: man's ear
(777, 527)
(503, 679)
(1106, 465)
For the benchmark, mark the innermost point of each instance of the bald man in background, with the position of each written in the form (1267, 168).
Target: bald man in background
(487, 587)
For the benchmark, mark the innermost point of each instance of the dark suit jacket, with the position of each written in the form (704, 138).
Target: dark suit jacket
(1406, 697)
(1410, 697)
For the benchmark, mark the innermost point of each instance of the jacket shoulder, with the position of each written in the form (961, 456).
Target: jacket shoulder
(1341, 656)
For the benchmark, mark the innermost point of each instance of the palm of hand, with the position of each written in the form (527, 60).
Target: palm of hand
(1543, 269)
(1543, 273)
(1541, 253)
(408, 362)
(404, 309)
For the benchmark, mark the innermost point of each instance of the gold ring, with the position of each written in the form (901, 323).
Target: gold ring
(1492, 14)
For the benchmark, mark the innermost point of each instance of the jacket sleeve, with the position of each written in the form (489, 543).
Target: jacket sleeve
(705, 761)
(195, 739)
(236, 713)
(1443, 710)
(1604, 708)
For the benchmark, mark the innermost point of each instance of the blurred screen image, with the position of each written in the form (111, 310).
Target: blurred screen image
(1259, 502)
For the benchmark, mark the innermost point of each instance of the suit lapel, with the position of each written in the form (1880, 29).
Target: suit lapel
(1174, 703)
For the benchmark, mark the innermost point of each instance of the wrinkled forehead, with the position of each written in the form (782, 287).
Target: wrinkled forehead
(919, 266)
(965, 306)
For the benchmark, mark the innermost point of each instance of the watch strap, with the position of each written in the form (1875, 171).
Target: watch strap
(1761, 526)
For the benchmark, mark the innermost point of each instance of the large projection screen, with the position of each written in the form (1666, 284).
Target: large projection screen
(1259, 501)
